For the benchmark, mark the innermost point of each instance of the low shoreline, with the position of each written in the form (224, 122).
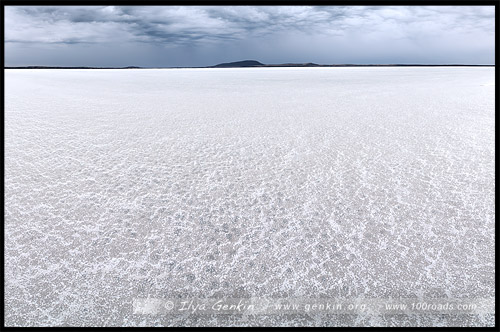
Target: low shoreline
(264, 66)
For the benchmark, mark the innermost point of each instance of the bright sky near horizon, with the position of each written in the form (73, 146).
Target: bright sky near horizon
(152, 36)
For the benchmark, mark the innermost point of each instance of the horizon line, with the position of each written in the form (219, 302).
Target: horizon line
(254, 66)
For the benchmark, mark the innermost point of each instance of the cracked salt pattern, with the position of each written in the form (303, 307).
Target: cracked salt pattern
(277, 182)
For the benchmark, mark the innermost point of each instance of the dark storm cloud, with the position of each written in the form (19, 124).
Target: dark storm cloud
(192, 35)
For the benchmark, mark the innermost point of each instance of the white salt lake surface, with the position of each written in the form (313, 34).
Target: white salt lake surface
(258, 182)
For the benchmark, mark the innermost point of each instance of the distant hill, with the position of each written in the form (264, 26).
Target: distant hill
(254, 63)
(245, 63)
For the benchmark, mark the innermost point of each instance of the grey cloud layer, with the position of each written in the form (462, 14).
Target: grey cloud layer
(199, 28)
(156, 24)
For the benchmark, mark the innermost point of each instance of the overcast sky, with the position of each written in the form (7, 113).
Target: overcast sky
(151, 36)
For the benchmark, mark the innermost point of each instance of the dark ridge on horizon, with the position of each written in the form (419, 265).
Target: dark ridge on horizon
(244, 63)
(254, 63)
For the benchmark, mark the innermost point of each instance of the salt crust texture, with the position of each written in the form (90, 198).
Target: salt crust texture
(277, 182)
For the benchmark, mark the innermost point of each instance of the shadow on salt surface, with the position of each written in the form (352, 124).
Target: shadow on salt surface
(488, 84)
